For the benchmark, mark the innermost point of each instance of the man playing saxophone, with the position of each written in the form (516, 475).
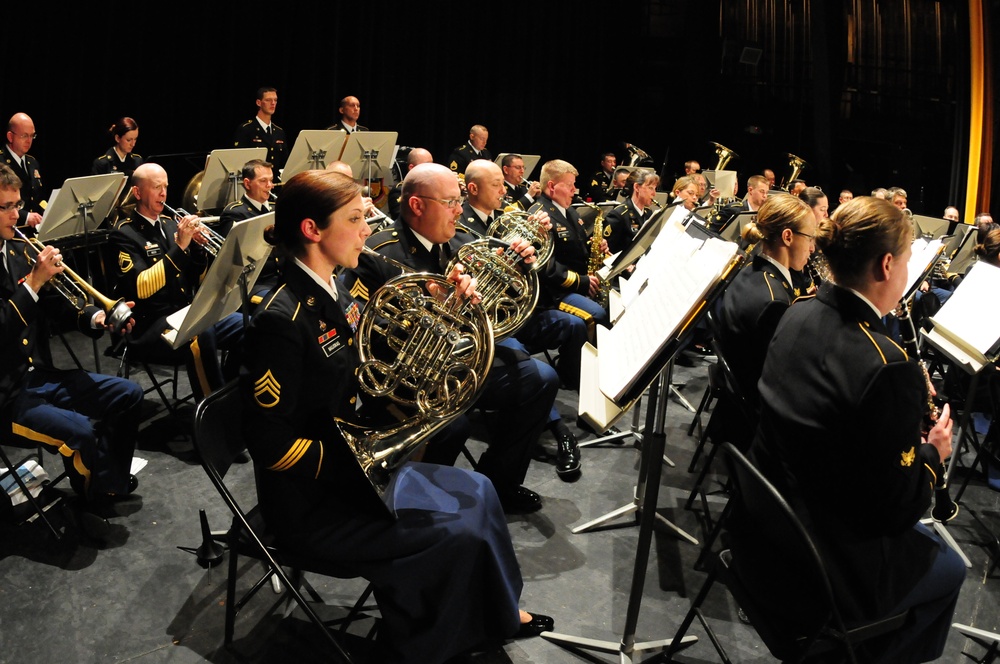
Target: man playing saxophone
(89, 419)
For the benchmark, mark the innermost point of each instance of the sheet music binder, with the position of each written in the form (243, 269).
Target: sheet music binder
(967, 327)
(925, 254)
(660, 316)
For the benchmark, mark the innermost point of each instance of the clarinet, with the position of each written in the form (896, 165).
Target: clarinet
(945, 509)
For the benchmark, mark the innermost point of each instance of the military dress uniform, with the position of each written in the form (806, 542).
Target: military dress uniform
(471, 223)
(160, 277)
(622, 223)
(110, 163)
(251, 134)
(88, 419)
(517, 195)
(597, 188)
(340, 126)
(460, 157)
(519, 391)
(32, 192)
(840, 436)
(444, 569)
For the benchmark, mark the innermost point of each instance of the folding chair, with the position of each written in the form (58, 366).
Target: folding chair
(158, 384)
(988, 640)
(38, 510)
(791, 605)
(218, 439)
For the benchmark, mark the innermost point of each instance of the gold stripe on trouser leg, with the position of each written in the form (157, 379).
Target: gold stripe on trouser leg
(587, 318)
(199, 368)
(60, 447)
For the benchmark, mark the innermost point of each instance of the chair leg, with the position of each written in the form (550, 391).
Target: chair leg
(697, 488)
(231, 594)
(703, 405)
(35, 505)
(695, 612)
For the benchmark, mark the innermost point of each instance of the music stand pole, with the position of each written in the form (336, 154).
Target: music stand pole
(647, 493)
(648, 463)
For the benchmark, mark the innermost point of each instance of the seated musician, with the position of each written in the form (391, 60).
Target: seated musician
(519, 191)
(600, 183)
(88, 419)
(757, 188)
(546, 328)
(519, 391)
(120, 157)
(625, 219)
(444, 570)
(474, 148)
(258, 181)
(758, 296)
(841, 436)
(20, 137)
(805, 281)
(158, 264)
(414, 157)
(566, 284)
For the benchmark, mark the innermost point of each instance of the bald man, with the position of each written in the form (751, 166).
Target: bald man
(415, 157)
(520, 391)
(20, 136)
(474, 148)
(350, 111)
(158, 264)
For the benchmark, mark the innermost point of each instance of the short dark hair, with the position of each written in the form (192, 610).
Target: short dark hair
(508, 159)
(8, 178)
(250, 168)
(263, 91)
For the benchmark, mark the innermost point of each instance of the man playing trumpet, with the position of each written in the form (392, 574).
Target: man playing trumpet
(158, 266)
(88, 419)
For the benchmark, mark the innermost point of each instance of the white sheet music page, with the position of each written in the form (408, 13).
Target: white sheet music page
(655, 315)
(923, 252)
(967, 317)
(668, 240)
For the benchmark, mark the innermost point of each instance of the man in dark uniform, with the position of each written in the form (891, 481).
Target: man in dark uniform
(20, 136)
(474, 148)
(757, 188)
(624, 220)
(261, 132)
(519, 391)
(415, 156)
(258, 181)
(350, 111)
(519, 191)
(89, 419)
(597, 190)
(158, 266)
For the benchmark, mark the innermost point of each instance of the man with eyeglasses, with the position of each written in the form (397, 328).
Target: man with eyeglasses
(90, 420)
(520, 391)
(20, 135)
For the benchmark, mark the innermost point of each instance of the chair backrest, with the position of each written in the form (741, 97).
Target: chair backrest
(218, 433)
(780, 579)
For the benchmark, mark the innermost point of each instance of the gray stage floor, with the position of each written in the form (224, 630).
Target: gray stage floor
(142, 598)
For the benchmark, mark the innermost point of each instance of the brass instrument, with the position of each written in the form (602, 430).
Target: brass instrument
(636, 155)
(514, 224)
(724, 154)
(797, 164)
(76, 289)
(213, 239)
(818, 268)
(438, 350)
(595, 260)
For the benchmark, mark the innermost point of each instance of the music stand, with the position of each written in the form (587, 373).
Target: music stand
(80, 206)
(226, 286)
(530, 161)
(965, 255)
(930, 227)
(369, 153)
(733, 230)
(724, 181)
(955, 240)
(314, 149)
(641, 243)
(222, 182)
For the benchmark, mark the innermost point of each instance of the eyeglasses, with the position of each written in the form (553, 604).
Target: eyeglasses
(12, 206)
(447, 202)
(812, 238)
(24, 136)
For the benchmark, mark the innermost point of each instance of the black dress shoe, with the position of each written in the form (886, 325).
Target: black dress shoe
(535, 626)
(567, 457)
(520, 501)
(133, 483)
(702, 351)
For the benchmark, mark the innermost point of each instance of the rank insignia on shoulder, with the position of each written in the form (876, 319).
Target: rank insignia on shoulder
(453, 165)
(906, 458)
(124, 261)
(267, 391)
(607, 231)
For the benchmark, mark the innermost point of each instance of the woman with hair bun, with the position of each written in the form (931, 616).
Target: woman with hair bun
(120, 157)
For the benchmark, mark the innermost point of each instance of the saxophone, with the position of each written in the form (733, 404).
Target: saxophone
(595, 260)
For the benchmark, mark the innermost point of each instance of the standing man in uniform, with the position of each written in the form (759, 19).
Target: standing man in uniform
(474, 148)
(261, 132)
(20, 135)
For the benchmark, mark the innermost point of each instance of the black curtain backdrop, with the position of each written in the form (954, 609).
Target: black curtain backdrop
(560, 79)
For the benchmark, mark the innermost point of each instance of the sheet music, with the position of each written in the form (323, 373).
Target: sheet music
(968, 317)
(924, 252)
(652, 320)
(175, 320)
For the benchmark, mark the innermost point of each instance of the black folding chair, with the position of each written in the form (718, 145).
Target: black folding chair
(218, 440)
(36, 508)
(791, 605)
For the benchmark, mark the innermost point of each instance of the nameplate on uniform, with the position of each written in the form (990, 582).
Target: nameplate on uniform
(330, 343)
(153, 249)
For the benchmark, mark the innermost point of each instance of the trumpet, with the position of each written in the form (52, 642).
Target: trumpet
(76, 289)
(214, 240)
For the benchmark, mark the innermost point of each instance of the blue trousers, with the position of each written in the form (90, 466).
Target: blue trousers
(555, 329)
(89, 419)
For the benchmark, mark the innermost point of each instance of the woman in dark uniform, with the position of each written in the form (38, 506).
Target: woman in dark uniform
(841, 436)
(120, 157)
(445, 575)
(754, 302)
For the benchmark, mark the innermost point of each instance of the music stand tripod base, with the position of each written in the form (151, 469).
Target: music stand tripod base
(614, 646)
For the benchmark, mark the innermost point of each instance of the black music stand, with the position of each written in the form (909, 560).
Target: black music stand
(369, 154)
(930, 227)
(222, 182)
(654, 372)
(227, 285)
(965, 255)
(314, 149)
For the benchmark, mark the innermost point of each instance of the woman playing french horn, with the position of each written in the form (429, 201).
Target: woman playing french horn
(444, 570)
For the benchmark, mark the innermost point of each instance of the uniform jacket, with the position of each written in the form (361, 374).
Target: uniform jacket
(566, 271)
(622, 223)
(251, 135)
(460, 157)
(32, 192)
(110, 163)
(597, 188)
